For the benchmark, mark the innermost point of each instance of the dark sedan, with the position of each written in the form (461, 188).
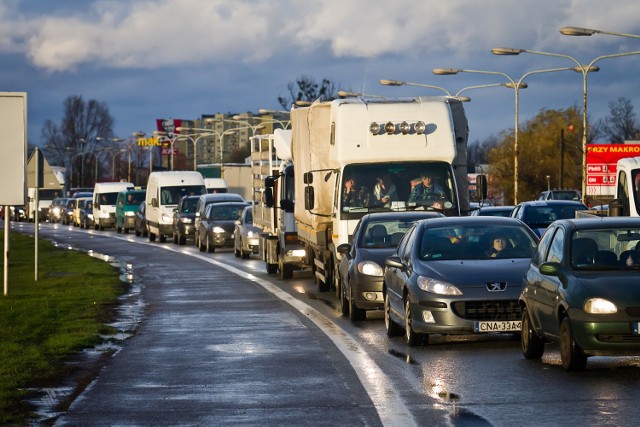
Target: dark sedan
(582, 291)
(457, 276)
(184, 217)
(362, 264)
(540, 213)
(492, 211)
(217, 225)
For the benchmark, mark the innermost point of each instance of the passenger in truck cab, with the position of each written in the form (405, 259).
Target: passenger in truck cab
(384, 192)
(426, 190)
(354, 195)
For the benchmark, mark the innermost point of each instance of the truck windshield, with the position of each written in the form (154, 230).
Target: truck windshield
(398, 186)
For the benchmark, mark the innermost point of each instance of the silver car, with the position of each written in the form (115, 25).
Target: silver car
(246, 236)
(457, 276)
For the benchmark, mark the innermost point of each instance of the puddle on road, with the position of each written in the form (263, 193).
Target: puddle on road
(51, 402)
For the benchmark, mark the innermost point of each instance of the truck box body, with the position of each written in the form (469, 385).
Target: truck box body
(279, 245)
(401, 139)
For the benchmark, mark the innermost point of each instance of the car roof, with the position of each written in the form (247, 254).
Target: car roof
(453, 221)
(403, 215)
(230, 197)
(601, 222)
(551, 203)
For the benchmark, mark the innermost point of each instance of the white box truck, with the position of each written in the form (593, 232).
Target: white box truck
(353, 144)
(164, 190)
(273, 201)
(105, 195)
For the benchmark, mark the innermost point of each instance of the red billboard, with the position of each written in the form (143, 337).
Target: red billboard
(601, 166)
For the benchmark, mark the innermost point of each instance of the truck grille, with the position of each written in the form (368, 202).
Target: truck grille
(499, 310)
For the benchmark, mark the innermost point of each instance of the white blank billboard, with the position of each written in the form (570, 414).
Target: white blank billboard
(13, 152)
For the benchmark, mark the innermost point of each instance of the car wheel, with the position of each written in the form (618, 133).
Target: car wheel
(209, 246)
(162, 238)
(236, 251)
(573, 358)
(355, 314)
(137, 232)
(200, 245)
(118, 229)
(411, 337)
(393, 329)
(245, 255)
(152, 237)
(175, 238)
(182, 240)
(344, 301)
(532, 345)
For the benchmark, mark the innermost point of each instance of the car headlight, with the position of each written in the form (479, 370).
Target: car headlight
(218, 230)
(599, 306)
(437, 286)
(129, 213)
(370, 268)
(186, 220)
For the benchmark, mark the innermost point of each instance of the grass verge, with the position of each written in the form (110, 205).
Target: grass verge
(44, 322)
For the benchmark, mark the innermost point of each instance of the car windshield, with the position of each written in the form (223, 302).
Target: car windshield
(189, 204)
(108, 198)
(220, 212)
(171, 195)
(384, 234)
(544, 215)
(476, 242)
(134, 198)
(606, 249)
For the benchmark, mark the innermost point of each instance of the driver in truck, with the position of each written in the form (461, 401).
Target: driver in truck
(426, 190)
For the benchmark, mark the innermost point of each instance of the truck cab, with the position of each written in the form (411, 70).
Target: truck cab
(628, 186)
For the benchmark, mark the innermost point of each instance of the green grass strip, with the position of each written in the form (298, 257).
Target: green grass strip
(44, 322)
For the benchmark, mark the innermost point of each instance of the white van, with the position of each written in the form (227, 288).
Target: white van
(164, 190)
(105, 195)
(216, 185)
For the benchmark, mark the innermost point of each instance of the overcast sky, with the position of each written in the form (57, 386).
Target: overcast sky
(150, 59)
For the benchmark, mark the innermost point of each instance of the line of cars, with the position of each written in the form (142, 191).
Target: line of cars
(538, 272)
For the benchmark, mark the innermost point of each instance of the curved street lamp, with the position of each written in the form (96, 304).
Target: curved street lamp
(385, 82)
(577, 31)
(220, 135)
(584, 70)
(516, 86)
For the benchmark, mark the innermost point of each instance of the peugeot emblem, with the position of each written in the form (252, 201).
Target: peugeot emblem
(496, 286)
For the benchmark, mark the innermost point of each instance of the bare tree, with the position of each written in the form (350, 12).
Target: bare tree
(73, 143)
(305, 88)
(620, 125)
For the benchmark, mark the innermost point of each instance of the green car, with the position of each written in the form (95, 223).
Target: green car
(582, 290)
(127, 205)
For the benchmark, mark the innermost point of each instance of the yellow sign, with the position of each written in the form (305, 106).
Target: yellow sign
(146, 142)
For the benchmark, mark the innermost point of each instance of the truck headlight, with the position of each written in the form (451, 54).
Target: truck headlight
(165, 218)
(129, 213)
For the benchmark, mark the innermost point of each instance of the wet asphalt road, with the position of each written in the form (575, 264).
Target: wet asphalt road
(215, 347)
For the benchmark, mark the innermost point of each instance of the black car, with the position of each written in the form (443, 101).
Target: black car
(85, 215)
(66, 211)
(217, 225)
(539, 214)
(184, 217)
(361, 268)
(141, 222)
(56, 209)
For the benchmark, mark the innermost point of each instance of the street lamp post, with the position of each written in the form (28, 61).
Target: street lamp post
(516, 86)
(584, 70)
(385, 82)
(577, 31)
(220, 135)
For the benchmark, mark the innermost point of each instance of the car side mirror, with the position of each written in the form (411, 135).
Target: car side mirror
(344, 248)
(394, 262)
(550, 269)
(154, 203)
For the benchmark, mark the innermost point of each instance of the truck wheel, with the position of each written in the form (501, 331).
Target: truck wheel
(286, 271)
(162, 238)
(125, 230)
(152, 237)
(137, 232)
(271, 268)
(118, 229)
(182, 240)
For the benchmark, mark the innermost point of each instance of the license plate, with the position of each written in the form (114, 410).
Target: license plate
(506, 326)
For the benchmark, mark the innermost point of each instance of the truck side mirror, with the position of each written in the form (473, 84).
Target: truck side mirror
(268, 196)
(481, 186)
(286, 205)
(268, 182)
(308, 178)
(309, 198)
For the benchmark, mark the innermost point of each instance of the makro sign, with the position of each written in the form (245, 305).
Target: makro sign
(149, 142)
(601, 166)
